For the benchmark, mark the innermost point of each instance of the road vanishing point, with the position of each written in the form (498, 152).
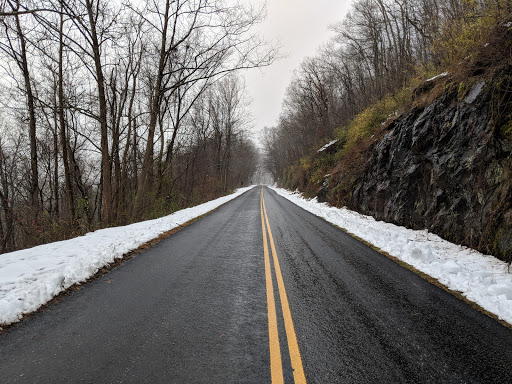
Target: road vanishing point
(258, 291)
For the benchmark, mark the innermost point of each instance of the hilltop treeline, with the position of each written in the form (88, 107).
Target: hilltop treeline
(376, 57)
(112, 112)
(414, 99)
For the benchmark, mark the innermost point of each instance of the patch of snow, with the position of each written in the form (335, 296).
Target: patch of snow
(482, 279)
(438, 76)
(507, 25)
(474, 92)
(327, 145)
(31, 277)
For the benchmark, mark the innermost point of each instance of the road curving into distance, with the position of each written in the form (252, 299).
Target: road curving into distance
(258, 291)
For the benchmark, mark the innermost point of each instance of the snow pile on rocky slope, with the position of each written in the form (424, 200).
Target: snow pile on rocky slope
(482, 279)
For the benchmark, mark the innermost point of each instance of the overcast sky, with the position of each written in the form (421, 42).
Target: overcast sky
(301, 26)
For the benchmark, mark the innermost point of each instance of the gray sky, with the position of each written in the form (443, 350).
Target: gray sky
(301, 26)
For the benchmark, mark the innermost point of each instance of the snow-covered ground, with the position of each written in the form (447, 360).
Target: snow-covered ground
(482, 279)
(31, 277)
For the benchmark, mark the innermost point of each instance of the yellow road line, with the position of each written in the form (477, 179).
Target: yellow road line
(293, 346)
(276, 367)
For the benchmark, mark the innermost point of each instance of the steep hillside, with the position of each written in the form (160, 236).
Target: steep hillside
(446, 168)
(444, 163)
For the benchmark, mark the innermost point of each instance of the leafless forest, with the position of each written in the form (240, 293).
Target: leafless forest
(113, 112)
(377, 50)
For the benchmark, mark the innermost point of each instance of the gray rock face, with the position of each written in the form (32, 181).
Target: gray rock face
(444, 168)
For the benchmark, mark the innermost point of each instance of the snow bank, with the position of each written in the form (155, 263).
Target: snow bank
(444, 74)
(327, 145)
(481, 279)
(31, 277)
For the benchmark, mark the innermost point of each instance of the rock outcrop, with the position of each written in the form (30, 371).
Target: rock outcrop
(445, 167)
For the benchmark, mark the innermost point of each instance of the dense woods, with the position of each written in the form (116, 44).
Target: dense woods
(378, 53)
(114, 112)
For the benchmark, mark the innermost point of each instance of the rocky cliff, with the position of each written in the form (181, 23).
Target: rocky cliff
(446, 167)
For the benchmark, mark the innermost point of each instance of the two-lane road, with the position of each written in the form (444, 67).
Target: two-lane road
(259, 291)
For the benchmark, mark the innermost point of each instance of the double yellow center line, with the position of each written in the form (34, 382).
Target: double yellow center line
(276, 367)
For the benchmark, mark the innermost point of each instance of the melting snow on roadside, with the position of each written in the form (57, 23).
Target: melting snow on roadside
(482, 279)
(31, 277)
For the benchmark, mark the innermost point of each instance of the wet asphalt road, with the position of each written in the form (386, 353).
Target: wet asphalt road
(193, 309)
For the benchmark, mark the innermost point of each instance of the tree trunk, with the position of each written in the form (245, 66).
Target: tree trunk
(146, 173)
(105, 158)
(62, 124)
(34, 176)
(56, 211)
(7, 236)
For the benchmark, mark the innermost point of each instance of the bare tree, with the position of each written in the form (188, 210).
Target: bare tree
(199, 41)
(94, 21)
(110, 95)
(15, 46)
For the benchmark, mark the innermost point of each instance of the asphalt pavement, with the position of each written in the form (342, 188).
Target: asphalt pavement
(234, 299)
